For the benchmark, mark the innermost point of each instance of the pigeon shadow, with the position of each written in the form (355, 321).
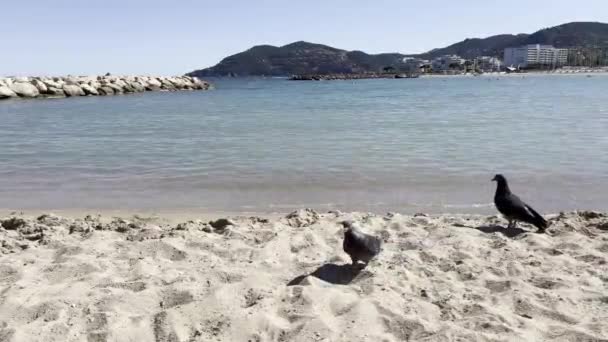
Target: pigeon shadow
(508, 232)
(331, 273)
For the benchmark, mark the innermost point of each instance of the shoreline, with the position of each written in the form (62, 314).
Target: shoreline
(366, 76)
(166, 215)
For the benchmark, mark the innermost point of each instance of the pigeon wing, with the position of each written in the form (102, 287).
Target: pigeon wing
(538, 220)
(523, 212)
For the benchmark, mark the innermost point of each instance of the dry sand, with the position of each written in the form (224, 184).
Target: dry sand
(438, 278)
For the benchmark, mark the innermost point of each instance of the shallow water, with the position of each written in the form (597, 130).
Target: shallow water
(428, 144)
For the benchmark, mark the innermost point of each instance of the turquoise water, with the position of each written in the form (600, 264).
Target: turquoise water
(428, 144)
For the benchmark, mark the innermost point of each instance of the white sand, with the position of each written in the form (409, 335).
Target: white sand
(438, 278)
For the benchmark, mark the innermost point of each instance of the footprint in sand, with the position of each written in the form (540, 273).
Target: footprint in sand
(402, 328)
(172, 298)
(163, 330)
(164, 250)
(97, 327)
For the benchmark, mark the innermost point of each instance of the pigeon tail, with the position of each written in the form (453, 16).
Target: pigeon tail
(537, 219)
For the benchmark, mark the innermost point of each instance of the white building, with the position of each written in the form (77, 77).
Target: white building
(447, 62)
(487, 63)
(535, 55)
(413, 64)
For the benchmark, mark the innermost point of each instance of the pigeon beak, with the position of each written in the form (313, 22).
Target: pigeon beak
(494, 179)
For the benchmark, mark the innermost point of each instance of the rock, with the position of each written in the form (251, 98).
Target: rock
(105, 90)
(590, 215)
(42, 88)
(51, 83)
(93, 85)
(167, 85)
(120, 83)
(6, 92)
(154, 82)
(179, 84)
(152, 88)
(198, 84)
(128, 88)
(194, 225)
(137, 87)
(143, 82)
(88, 90)
(25, 89)
(303, 217)
(51, 220)
(117, 89)
(86, 79)
(55, 92)
(73, 90)
(121, 225)
(13, 223)
(221, 224)
(188, 84)
(71, 80)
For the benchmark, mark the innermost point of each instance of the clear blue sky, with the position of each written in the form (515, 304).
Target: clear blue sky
(173, 37)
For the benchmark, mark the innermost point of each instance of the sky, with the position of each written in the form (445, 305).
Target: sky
(172, 37)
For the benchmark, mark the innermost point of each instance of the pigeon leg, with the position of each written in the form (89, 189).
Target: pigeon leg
(511, 224)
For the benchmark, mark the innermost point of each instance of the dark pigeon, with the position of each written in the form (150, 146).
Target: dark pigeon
(513, 208)
(358, 245)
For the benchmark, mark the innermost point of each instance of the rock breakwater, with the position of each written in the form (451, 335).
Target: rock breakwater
(35, 87)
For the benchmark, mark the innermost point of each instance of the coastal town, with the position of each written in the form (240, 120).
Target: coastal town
(522, 58)
(528, 58)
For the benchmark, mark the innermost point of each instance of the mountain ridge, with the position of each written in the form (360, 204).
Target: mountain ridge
(303, 57)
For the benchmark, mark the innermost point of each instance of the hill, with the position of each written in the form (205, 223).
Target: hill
(576, 34)
(474, 47)
(308, 58)
(298, 58)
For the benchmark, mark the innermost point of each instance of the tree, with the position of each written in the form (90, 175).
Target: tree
(454, 65)
(388, 69)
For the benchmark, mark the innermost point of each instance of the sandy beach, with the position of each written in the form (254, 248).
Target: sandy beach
(286, 278)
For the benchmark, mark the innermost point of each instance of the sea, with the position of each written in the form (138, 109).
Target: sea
(264, 145)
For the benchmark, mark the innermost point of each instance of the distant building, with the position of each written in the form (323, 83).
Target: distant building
(535, 56)
(447, 62)
(413, 64)
(487, 63)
